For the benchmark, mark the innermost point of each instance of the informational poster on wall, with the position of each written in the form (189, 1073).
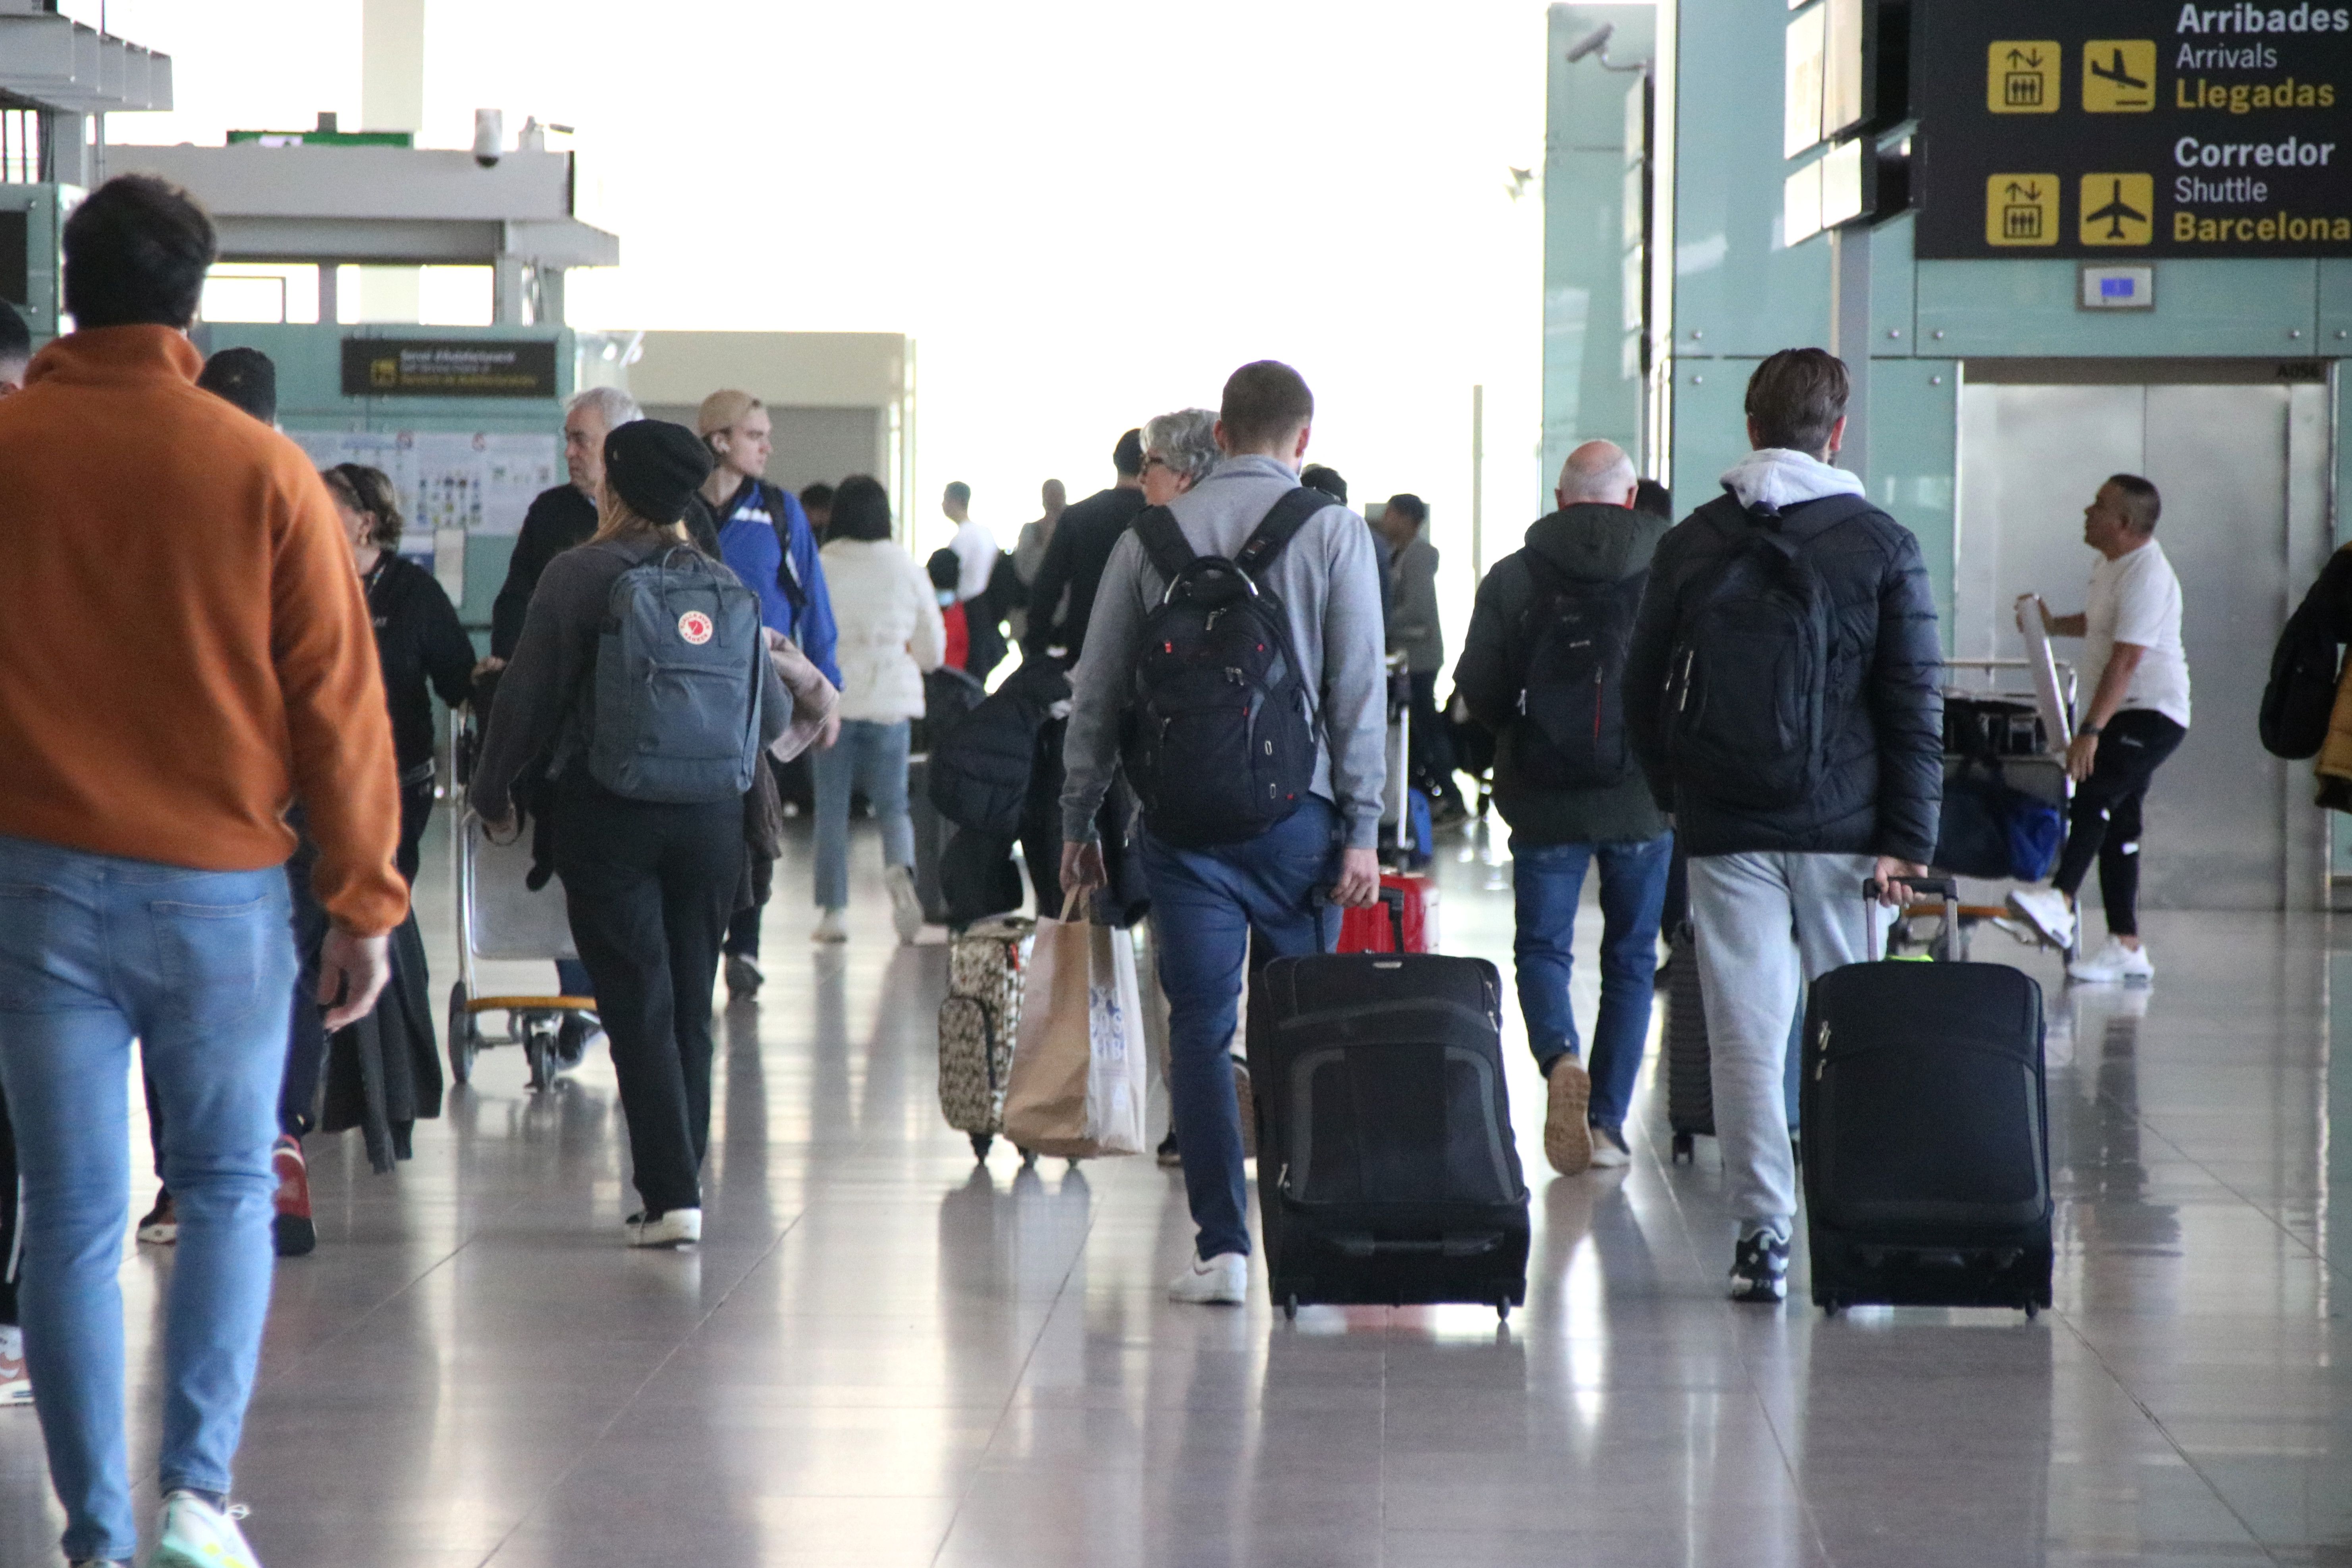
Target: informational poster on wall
(476, 482)
(452, 485)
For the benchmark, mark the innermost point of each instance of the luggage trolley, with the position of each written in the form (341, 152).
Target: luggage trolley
(500, 920)
(2032, 756)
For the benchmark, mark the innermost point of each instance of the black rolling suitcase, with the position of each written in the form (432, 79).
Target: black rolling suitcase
(1927, 1157)
(1387, 1172)
(1690, 1069)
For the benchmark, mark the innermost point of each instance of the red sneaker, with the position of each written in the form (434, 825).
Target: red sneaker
(295, 1233)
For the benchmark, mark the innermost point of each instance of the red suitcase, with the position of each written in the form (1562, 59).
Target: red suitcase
(1404, 920)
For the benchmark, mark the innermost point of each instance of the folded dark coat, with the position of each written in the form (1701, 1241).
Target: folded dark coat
(383, 1073)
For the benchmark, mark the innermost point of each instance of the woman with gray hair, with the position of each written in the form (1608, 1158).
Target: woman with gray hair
(1179, 451)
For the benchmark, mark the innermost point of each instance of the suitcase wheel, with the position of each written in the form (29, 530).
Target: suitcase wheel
(465, 1039)
(981, 1144)
(1290, 1309)
(1028, 1156)
(1686, 1149)
(2031, 1311)
(539, 1054)
(1503, 1310)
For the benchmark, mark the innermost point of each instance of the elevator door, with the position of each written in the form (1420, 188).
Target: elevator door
(2241, 469)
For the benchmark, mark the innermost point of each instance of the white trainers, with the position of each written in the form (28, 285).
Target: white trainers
(2047, 911)
(1219, 1281)
(675, 1228)
(195, 1534)
(832, 925)
(2113, 964)
(1609, 1150)
(906, 905)
(15, 1383)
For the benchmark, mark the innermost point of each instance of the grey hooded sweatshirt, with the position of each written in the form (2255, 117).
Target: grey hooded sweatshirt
(1588, 543)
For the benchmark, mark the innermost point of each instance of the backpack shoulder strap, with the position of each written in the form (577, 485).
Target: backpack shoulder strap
(1163, 541)
(1279, 526)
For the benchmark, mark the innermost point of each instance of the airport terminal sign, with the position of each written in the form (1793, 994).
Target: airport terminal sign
(448, 367)
(2113, 128)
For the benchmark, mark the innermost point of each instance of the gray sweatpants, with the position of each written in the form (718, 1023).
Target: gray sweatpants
(1766, 923)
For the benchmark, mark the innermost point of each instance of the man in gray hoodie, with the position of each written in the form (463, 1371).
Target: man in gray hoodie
(1286, 883)
(1541, 666)
(1781, 688)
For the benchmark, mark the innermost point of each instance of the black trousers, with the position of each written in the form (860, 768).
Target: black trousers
(1429, 767)
(2104, 824)
(647, 888)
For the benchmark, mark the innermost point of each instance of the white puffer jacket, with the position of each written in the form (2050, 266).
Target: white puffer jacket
(891, 634)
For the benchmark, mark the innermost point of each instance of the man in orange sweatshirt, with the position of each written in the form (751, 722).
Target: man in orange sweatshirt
(183, 653)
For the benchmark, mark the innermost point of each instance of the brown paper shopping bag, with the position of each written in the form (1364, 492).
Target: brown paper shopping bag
(1078, 1084)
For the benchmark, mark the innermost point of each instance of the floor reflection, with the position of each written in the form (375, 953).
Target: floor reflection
(888, 1353)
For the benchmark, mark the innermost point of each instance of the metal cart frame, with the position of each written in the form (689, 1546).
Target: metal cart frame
(533, 1022)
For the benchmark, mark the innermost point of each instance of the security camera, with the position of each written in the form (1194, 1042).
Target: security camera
(1592, 42)
(490, 136)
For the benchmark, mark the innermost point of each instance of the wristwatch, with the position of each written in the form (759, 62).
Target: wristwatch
(2091, 730)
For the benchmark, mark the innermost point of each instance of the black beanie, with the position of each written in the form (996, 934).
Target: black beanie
(655, 465)
(247, 378)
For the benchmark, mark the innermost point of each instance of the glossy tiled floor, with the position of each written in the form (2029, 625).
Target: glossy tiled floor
(882, 1355)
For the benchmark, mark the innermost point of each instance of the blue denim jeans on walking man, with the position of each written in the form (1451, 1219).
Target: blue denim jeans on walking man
(196, 965)
(871, 757)
(1547, 881)
(1204, 905)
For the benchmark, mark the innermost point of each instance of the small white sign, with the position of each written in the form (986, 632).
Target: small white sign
(2119, 288)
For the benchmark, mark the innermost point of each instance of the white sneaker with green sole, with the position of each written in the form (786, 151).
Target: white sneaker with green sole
(195, 1534)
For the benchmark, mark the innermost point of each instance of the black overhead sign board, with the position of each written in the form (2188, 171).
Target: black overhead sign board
(448, 367)
(2113, 130)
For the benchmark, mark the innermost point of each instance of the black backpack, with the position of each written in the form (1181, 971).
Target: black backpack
(1570, 733)
(2300, 697)
(1220, 742)
(980, 762)
(1746, 716)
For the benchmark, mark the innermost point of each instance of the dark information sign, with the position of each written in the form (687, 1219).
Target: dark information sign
(448, 367)
(2115, 128)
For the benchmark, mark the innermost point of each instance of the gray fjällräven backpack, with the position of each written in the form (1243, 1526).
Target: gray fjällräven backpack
(674, 717)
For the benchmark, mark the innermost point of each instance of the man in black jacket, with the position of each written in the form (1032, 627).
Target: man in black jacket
(1073, 562)
(563, 517)
(1582, 568)
(1781, 689)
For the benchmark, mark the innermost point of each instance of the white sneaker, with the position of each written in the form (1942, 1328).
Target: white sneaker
(2047, 911)
(675, 1228)
(2113, 964)
(1609, 1150)
(906, 905)
(15, 1383)
(195, 1534)
(1219, 1281)
(832, 926)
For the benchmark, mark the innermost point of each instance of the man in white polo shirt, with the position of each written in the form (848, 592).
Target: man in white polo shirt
(2137, 716)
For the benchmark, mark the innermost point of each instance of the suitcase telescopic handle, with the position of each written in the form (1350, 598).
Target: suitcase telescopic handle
(1948, 888)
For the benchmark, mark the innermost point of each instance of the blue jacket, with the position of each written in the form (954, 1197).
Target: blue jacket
(748, 544)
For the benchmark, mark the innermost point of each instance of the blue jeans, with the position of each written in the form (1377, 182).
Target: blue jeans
(873, 758)
(198, 965)
(1204, 904)
(1547, 881)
